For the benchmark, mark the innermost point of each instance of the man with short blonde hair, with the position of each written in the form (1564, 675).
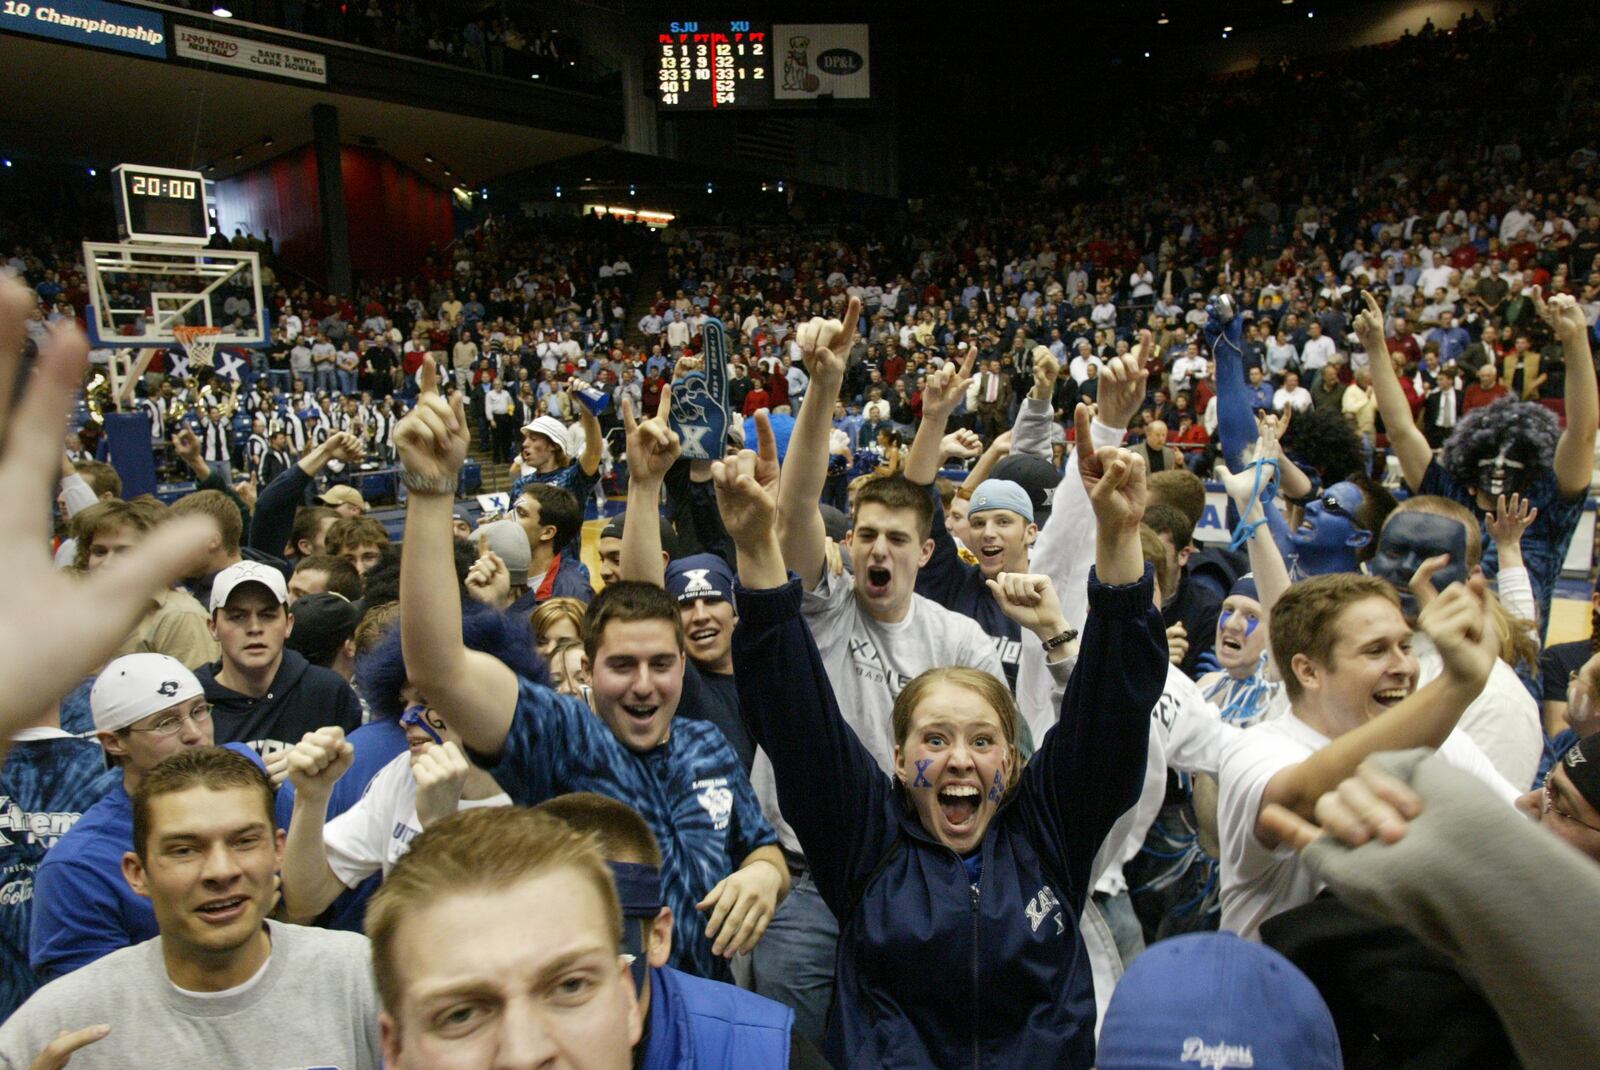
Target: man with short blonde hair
(517, 911)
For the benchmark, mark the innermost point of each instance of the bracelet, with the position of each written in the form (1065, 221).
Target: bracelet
(1056, 642)
(418, 484)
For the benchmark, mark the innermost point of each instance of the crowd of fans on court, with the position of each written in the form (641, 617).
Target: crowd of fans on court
(915, 727)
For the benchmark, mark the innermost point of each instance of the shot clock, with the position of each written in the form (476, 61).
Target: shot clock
(161, 204)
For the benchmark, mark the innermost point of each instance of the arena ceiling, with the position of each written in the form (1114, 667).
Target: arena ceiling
(104, 109)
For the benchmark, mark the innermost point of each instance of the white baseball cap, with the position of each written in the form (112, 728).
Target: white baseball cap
(551, 428)
(134, 686)
(228, 580)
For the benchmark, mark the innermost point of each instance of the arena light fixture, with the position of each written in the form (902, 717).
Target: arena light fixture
(239, 155)
(8, 161)
(1227, 29)
(221, 12)
(1163, 20)
(428, 156)
(93, 172)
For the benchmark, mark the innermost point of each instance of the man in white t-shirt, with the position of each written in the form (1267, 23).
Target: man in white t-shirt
(430, 781)
(1344, 649)
(875, 634)
(1318, 350)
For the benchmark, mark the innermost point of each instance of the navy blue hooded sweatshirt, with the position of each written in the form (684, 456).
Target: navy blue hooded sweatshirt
(934, 971)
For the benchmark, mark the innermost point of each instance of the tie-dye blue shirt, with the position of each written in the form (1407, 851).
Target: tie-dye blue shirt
(691, 789)
(50, 779)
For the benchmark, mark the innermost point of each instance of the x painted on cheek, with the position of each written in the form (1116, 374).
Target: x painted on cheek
(999, 788)
(922, 768)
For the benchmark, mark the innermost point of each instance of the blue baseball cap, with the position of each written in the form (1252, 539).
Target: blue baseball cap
(1216, 1000)
(1001, 494)
(700, 576)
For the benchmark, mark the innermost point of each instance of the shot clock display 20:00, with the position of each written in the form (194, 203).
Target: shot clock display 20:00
(714, 64)
(161, 204)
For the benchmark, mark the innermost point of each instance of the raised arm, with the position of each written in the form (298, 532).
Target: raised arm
(1574, 463)
(941, 393)
(273, 521)
(589, 460)
(829, 788)
(315, 764)
(1090, 766)
(1266, 560)
(1459, 624)
(652, 448)
(1036, 414)
(825, 346)
(57, 629)
(474, 692)
(1407, 441)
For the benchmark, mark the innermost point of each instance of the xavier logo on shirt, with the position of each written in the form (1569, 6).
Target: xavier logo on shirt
(717, 799)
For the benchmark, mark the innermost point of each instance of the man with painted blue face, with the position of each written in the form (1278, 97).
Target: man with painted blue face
(1336, 529)
(1432, 539)
(1506, 448)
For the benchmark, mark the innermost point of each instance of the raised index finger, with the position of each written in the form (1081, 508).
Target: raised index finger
(430, 376)
(664, 409)
(766, 441)
(1371, 302)
(966, 363)
(1082, 418)
(852, 315)
(629, 422)
(483, 544)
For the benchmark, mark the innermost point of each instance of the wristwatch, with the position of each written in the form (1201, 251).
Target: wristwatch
(418, 484)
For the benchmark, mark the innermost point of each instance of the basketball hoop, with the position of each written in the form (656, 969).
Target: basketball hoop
(199, 343)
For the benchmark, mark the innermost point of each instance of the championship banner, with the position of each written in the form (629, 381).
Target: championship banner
(700, 399)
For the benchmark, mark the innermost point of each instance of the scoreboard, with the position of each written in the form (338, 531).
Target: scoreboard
(714, 64)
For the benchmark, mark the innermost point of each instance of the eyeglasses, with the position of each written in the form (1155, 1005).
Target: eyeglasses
(1331, 504)
(172, 724)
(1550, 806)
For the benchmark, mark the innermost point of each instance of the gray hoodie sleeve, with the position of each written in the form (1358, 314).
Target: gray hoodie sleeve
(1518, 909)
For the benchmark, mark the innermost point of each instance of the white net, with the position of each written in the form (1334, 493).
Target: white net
(199, 343)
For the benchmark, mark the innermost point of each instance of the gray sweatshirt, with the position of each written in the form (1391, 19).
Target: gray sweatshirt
(313, 1005)
(1517, 909)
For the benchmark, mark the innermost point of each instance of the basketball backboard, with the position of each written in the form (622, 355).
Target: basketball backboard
(139, 292)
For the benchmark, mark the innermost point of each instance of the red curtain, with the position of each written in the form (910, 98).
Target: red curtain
(394, 215)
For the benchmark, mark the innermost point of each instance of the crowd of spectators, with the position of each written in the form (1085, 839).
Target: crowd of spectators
(914, 708)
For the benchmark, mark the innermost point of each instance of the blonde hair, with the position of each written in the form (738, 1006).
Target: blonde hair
(480, 850)
(983, 685)
(549, 612)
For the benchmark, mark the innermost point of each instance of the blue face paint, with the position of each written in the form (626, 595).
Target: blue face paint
(415, 715)
(1328, 537)
(998, 791)
(1408, 540)
(922, 767)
